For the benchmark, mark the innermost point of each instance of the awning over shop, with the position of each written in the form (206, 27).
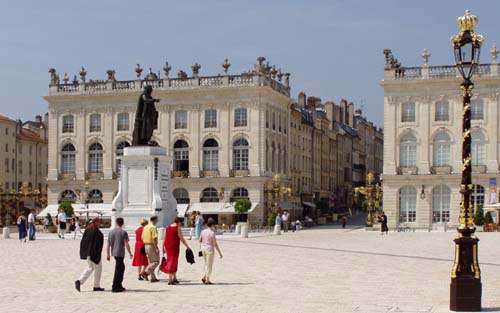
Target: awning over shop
(98, 208)
(216, 207)
(182, 209)
(309, 204)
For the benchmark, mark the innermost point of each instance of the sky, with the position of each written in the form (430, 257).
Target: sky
(332, 48)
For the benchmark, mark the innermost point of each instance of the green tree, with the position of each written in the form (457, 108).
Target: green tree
(488, 219)
(271, 217)
(242, 206)
(479, 216)
(67, 207)
(49, 218)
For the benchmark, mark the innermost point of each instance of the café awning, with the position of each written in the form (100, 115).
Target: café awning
(216, 207)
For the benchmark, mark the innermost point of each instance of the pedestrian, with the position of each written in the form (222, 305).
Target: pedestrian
(284, 219)
(344, 221)
(208, 243)
(150, 238)
(117, 242)
(199, 224)
(192, 222)
(277, 221)
(46, 224)
(31, 226)
(91, 250)
(171, 246)
(383, 222)
(78, 229)
(21, 226)
(140, 258)
(293, 226)
(298, 225)
(61, 220)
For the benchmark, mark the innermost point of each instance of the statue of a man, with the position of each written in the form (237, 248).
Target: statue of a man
(146, 118)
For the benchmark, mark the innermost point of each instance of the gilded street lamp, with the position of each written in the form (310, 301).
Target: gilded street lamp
(465, 287)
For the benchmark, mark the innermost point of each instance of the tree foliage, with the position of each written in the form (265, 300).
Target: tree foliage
(67, 207)
(479, 216)
(488, 219)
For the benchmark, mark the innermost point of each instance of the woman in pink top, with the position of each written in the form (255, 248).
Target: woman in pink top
(208, 243)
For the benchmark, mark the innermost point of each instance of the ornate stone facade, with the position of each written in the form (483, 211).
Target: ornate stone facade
(214, 127)
(422, 141)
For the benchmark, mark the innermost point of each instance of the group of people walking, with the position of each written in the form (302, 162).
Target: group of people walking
(26, 226)
(146, 256)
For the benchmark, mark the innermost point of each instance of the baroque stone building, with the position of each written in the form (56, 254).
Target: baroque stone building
(24, 149)
(423, 141)
(228, 135)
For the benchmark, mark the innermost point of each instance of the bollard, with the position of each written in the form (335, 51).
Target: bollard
(244, 231)
(237, 230)
(277, 229)
(6, 233)
(161, 233)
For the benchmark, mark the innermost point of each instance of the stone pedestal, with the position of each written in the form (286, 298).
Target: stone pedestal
(277, 229)
(244, 231)
(6, 233)
(144, 187)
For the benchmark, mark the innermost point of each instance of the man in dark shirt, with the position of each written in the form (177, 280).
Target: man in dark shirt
(117, 242)
(90, 250)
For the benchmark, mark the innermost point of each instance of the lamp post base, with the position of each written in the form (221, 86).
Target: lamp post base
(465, 294)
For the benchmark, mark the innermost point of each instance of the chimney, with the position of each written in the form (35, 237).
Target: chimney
(311, 102)
(38, 119)
(344, 119)
(329, 110)
(351, 114)
(302, 99)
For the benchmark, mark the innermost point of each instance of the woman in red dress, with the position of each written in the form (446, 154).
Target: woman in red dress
(140, 258)
(171, 245)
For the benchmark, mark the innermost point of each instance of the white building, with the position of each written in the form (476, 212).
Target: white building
(217, 129)
(423, 141)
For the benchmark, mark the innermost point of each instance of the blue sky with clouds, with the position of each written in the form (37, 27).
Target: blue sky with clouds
(333, 49)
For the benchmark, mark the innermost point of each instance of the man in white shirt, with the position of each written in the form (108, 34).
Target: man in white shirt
(284, 219)
(31, 225)
(61, 219)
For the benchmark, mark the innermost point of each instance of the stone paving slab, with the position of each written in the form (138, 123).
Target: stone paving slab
(317, 270)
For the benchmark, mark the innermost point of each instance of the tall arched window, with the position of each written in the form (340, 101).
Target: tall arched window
(181, 156)
(67, 196)
(95, 123)
(68, 123)
(181, 195)
(95, 158)
(442, 150)
(210, 155)
(267, 156)
(407, 204)
(408, 151)
(477, 195)
(123, 122)
(478, 148)
(441, 202)
(239, 193)
(240, 154)
(68, 154)
(94, 196)
(477, 109)
(209, 195)
(273, 158)
(119, 152)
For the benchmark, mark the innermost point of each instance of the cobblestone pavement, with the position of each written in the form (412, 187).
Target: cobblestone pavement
(326, 269)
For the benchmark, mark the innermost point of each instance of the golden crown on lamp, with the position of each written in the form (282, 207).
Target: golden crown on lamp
(467, 23)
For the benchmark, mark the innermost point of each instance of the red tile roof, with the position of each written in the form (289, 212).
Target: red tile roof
(6, 119)
(28, 135)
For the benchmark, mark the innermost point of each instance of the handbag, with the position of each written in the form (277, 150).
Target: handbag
(143, 250)
(200, 253)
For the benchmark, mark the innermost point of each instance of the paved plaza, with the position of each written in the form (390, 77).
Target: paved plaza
(325, 269)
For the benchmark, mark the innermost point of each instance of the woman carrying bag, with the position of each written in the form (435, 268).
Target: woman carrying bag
(171, 245)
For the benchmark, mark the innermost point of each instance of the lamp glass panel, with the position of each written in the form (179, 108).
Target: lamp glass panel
(476, 51)
(466, 54)
(457, 55)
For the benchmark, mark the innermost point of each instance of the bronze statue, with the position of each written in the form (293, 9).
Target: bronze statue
(146, 118)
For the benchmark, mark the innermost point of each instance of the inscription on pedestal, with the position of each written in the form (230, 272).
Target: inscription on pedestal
(137, 186)
(164, 183)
